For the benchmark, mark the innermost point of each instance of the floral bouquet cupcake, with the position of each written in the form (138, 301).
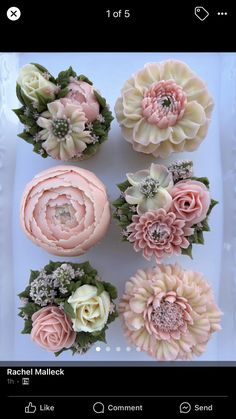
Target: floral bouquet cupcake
(164, 211)
(65, 210)
(63, 117)
(169, 312)
(67, 306)
(164, 108)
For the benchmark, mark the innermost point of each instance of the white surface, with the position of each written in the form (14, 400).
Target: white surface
(114, 260)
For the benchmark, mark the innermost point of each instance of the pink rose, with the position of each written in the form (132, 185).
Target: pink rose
(82, 93)
(52, 329)
(65, 210)
(190, 201)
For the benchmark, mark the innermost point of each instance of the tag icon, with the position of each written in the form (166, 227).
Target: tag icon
(201, 13)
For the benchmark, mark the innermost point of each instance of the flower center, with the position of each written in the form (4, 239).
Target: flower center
(168, 316)
(149, 187)
(60, 127)
(159, 232)
(63, 213)
(164, 103)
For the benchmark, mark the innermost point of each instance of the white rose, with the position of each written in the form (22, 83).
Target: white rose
(32, 81)
(91, 310)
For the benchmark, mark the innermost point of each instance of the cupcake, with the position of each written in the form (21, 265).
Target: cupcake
(65, 210)
(64, 117)
(66, 306)
(164, 108)
(164, 211)
(169, 312)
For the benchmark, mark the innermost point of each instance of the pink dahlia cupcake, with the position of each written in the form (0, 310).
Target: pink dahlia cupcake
(65, 210)
(169, 312)
(164, 108)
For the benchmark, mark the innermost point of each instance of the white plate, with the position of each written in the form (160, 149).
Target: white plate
(114, 260)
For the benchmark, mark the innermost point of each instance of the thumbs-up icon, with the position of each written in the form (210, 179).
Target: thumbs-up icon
(30, 408)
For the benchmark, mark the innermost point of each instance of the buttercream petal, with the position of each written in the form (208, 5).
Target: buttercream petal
(44, 123)
(56, 108)
(133, 196)
(161, 200)
(145, 133)
(136, 178)
(148, 75)
(162, 174)
(132, 104)
(194, 116)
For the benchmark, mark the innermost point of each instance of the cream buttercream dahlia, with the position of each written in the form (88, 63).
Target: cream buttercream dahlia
(169, 312)
(164, 108)
(65, 210)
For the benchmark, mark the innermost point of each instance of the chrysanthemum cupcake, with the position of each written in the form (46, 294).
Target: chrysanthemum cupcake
(67, 306)
(65, 210)
(64, 117)
(169, 312)
(164, 108)
(164, 211)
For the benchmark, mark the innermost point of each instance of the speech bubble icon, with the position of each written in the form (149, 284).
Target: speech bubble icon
(185, 407)
(98, 407)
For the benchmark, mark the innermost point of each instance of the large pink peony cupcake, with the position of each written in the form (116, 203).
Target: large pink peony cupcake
(65, 210)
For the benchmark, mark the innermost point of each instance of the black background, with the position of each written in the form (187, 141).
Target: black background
(197, 385)
(83, 26)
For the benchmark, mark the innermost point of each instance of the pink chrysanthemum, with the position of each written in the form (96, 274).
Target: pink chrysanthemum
(169, 312)
(158, 233)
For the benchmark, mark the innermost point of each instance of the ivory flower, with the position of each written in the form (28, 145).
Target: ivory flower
(34, 82)
(63, 130)
(91, 310)
(150, 188)
(169, 312)
(164, 108)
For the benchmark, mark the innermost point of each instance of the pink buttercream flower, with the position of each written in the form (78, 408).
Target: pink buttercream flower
(158, 233)
(190, 201)
(169, 312)
(65, 210)
(82, 93)
(52, 329)
(164, 103)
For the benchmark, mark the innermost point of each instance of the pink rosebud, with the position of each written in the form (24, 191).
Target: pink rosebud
(82, 93)
(52, 329)
(190, 201)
